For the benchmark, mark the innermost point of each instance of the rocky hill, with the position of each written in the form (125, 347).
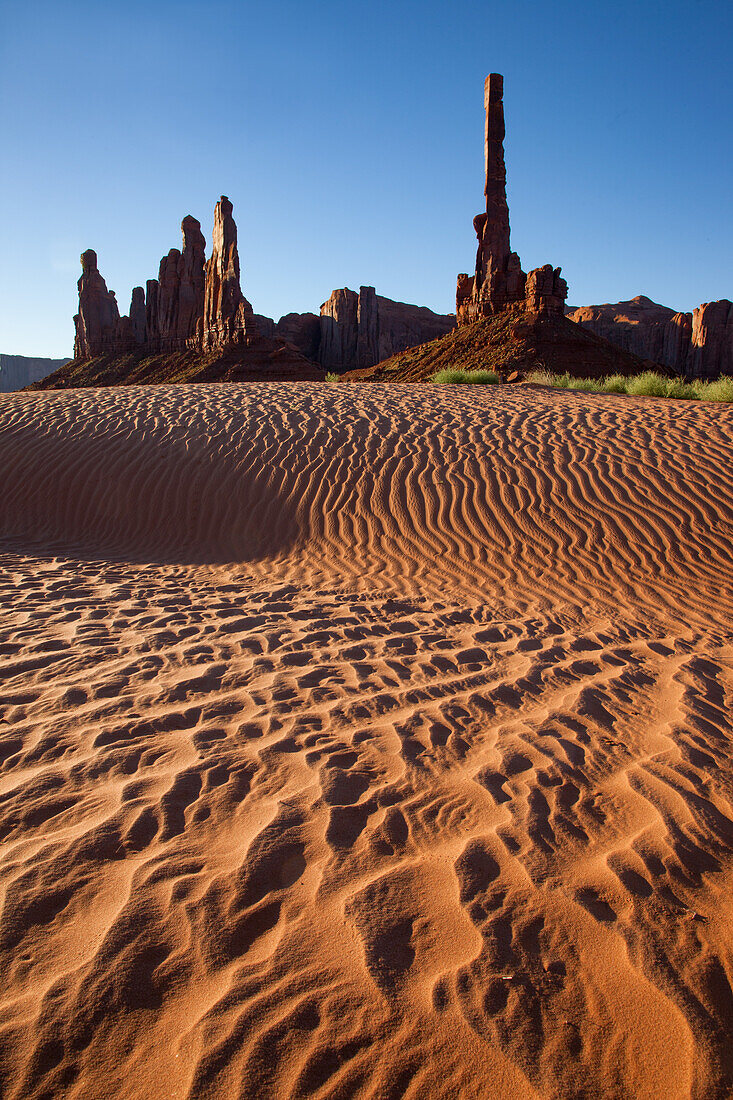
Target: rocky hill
(514, 340)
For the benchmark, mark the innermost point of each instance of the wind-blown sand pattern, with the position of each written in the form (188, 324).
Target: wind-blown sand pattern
(365, 741)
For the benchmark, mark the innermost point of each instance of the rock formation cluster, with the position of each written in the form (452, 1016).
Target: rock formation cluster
(197, 304)
(193, 304)
(695, 345)
(499, 282)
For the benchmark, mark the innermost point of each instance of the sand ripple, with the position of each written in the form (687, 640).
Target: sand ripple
(365, 741)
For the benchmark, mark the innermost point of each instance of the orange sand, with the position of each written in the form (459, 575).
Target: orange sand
(365, 741)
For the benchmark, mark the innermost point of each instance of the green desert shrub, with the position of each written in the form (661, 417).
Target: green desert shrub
(546, 378)
(585, 385)
(332, 377)
(463, 377)
(682, 391)
(648, 384)
(719, 390)
(614, 383)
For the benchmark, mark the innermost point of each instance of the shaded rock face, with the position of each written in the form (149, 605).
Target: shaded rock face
(359, 330)
(265, 325)
(138, 316)
(97, 322)
(168, 287)
(302, 331)
(696, 345)
(711, 342)
(339, 326)
(191, 280)
(499, 282)
(676, 345)
(403, 326)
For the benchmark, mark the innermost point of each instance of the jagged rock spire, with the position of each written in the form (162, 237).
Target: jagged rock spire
(499, 281)
(496, 235)
(228, 316)
(190, 279)
(97, 321)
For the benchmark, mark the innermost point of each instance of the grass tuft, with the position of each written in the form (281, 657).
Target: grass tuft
(465, 377)
(546, 378)
(332, 376)
(681, 391)
(615, 383)
(583, 385)
(648, 384)
(719, 390)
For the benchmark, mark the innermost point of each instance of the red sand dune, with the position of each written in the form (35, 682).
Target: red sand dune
(365, 741)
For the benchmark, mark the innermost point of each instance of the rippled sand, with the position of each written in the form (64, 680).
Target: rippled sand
(365, 741)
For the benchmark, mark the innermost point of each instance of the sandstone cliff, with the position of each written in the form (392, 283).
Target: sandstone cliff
(696, 345)
(303, 331)
(359, 330)
(711, 342)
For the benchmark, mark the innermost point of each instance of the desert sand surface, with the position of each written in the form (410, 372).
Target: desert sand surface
(365, 741)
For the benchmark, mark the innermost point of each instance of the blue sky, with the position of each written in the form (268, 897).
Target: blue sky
(350, 139)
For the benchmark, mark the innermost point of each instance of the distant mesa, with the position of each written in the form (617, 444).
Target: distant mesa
(19, 371)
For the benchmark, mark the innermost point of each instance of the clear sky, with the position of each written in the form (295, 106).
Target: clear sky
(349, 137)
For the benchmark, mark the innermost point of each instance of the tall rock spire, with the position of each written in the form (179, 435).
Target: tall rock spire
(97, 321)
(499, 281)
(496, 231)
(190, 279)
(228, 316)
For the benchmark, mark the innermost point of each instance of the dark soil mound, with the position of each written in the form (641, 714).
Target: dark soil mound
(260, 360)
